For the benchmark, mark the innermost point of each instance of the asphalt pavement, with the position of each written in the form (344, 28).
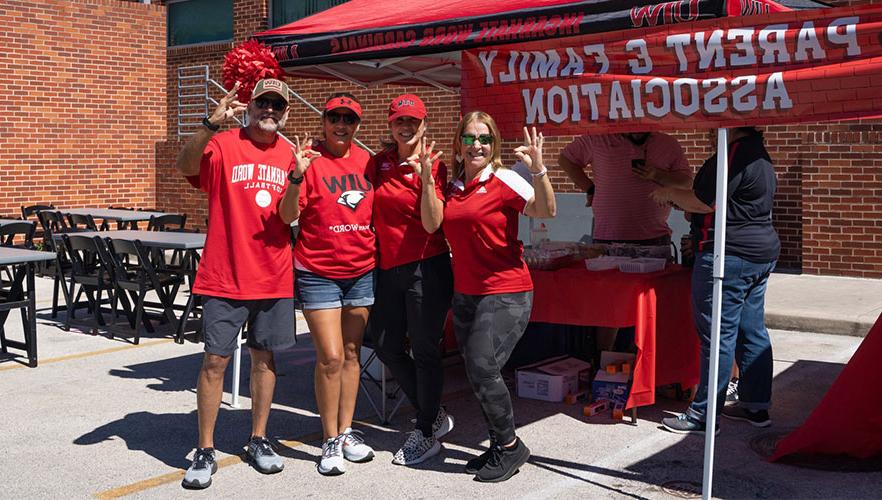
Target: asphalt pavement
(103, 418)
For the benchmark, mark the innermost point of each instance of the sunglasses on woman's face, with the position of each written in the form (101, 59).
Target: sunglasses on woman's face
(484, 139)
(348, 118)
(276, 104)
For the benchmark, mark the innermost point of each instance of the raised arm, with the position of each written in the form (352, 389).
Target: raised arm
(190, 156)
(543, 203)
(431, 208)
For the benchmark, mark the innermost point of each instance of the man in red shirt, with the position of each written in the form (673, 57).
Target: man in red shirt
(245, 273)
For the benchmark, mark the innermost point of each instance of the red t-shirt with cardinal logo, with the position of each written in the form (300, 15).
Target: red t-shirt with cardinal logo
(401, 237)
(247, 253)
(336, 239)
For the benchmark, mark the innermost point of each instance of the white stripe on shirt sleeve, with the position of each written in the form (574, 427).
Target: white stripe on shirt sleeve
(517, 183)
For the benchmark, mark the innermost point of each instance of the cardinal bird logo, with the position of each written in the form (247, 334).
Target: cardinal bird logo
(351, 199)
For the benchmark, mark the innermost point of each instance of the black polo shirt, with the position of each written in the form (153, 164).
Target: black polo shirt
(749, 230)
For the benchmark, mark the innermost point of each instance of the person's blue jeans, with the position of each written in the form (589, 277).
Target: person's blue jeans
(743, 334)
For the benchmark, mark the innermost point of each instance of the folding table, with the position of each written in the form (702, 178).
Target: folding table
(20, 295)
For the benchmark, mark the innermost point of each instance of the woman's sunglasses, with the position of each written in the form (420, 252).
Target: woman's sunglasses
(348, 118)
(484, 139)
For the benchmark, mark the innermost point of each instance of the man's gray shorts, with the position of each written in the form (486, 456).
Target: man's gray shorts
(271, 325)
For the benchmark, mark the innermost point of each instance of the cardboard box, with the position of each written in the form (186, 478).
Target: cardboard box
(552, 379)
(613, 386)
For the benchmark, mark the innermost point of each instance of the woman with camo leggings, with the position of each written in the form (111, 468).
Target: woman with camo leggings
(493, 292)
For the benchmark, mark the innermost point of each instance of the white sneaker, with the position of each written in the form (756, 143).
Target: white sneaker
(417, 448)
(332, 463)
(443, 423)
(354, 448)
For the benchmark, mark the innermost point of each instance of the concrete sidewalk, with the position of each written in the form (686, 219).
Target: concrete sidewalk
(823, 304)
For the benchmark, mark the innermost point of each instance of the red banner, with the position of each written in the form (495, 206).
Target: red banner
(780, 67)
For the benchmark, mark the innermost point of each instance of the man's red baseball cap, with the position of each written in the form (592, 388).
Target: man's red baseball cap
(407, 105)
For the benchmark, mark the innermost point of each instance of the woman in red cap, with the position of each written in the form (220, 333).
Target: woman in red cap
(414, 279)
(493, 291)
(334, 260)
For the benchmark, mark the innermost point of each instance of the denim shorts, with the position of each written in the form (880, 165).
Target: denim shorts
(317, 292)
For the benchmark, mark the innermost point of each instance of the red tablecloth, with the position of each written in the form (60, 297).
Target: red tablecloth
(657, 305)
(848, 421)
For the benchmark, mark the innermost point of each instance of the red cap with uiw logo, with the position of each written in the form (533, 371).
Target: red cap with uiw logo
(344, 102)
(407, 105)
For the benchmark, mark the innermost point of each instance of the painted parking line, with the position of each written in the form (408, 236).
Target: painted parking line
(177, 476)
(90, 354)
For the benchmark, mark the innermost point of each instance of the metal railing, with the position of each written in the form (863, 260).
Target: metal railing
(195, 101)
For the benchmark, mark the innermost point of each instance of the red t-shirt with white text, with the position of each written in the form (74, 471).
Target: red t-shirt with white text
(481, 224)
(401, 237)
(247, 253)
(336, 198)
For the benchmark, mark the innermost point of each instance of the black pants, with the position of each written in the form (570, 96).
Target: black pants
(412, 301)
(488, 328)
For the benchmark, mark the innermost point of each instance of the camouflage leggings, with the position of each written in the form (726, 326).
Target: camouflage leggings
(487, 328)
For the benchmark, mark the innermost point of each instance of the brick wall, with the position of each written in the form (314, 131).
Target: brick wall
(81, 113)
(829, 175)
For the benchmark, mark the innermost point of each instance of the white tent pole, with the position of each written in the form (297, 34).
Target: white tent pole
(237, 363)
(719, 267)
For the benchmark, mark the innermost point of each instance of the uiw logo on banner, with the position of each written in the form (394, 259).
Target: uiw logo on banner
(758, 70)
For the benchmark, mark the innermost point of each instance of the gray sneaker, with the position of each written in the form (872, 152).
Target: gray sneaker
(261, 456)
(198, 476)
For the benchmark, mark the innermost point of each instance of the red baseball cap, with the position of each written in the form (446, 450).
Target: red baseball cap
(407, 105)
(344, 102)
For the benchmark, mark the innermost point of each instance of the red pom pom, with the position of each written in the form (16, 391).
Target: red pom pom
(248, 63)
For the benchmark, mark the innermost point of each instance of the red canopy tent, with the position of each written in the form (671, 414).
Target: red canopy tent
(378, 41)
(373, 42)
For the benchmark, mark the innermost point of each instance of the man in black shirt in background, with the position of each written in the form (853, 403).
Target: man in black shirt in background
(752, 249)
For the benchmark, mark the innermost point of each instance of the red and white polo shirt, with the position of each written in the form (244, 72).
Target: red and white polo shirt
(401, 237)
(336, 200)
(481, 225)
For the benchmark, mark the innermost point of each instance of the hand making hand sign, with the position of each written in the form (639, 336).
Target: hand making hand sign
(531, 152)
(303, 155)
(422, 162)
(228, 106)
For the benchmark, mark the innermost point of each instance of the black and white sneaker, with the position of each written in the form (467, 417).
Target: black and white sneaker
(417, 448)
(198, 476)
(732, 392)
(759, 418)
(442, 425)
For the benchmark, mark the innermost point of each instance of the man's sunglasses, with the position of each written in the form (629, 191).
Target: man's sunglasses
(348, 118)
(276, 104)
(484, 139)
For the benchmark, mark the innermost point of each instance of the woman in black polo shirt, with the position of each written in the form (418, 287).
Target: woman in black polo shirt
(752, 248)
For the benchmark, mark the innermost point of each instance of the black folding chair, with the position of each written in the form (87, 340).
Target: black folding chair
(83, 222)
(17, 235)
(54, 223)
(137, 278)
(133, 225)
(90, 273)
